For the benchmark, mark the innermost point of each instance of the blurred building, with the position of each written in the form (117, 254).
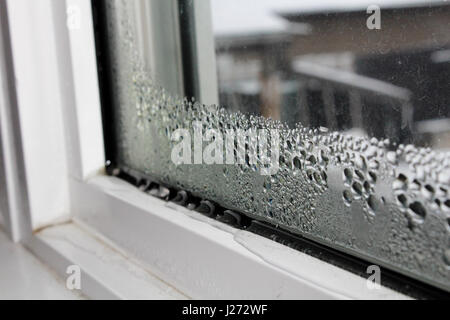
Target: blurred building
(325, 67)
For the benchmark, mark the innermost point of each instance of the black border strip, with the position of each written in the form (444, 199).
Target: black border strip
(188, 48)
(105, 79)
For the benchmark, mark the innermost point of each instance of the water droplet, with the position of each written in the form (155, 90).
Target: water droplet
(297, 163)
(348, 198)
(360, 176)
(391, 157)
(357, 188)
(428, 192)
(415, 185)
(447, 257)
(402, 200)
(372, 177)
(371, 203)
(417, 211)
(400, 183)
(312, 159)
(347, 176)
(360, 162)
(446, 206)
(366, 186)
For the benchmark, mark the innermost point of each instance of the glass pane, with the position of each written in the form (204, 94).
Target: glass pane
(319, 63)
(327, 126)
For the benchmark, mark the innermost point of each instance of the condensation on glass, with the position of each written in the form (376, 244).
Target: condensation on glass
(363, 117)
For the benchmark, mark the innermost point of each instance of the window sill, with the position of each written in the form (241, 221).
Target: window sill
(105, 272)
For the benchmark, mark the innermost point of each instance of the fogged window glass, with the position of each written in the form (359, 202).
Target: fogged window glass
(332, 122)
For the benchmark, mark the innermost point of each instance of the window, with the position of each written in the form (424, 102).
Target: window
(334, 158)
(313, 119)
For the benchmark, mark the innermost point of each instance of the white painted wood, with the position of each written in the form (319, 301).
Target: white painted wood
(78, 67)
(106, 273)
(23, 276)
(14, 207)
(54, 77)
(37, 84)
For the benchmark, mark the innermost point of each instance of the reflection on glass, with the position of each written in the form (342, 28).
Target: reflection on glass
(318, 63)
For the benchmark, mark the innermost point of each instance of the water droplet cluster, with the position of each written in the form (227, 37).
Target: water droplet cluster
(364, 195)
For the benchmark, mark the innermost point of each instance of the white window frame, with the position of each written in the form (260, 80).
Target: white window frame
(52, 141)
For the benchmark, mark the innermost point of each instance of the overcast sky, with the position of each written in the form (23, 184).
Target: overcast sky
(259, 16)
